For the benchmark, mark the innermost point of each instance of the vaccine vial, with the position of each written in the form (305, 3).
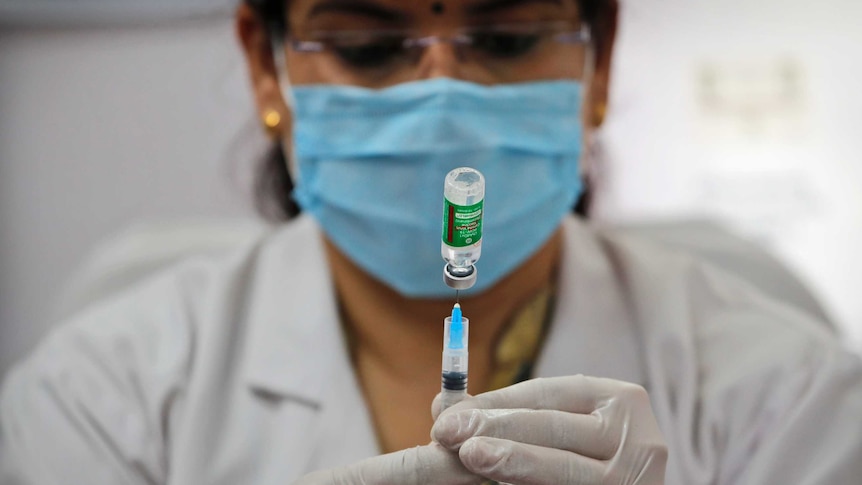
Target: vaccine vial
(463, 209)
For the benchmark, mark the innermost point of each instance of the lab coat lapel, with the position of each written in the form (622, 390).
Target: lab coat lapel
(298, 356)
(593, 330)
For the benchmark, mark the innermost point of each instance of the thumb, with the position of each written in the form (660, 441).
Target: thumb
(430, 464)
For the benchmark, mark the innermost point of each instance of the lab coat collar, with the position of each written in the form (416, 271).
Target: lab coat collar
(295, 340)
(298, 354)
(593, 331)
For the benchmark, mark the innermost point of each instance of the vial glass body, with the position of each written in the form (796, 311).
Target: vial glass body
(464, 194)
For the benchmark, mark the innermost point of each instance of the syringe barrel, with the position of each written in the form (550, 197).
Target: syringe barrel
(456, 340)
(455, 362)
(450, 398)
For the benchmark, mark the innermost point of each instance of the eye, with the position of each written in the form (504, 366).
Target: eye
(371, 54)
(505, 45)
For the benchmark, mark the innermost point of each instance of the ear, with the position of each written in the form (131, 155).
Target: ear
(257, 47)
(604, 34)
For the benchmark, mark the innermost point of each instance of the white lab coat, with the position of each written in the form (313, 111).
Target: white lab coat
(236, 372)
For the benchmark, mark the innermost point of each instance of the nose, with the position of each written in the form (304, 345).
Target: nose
(440, 60)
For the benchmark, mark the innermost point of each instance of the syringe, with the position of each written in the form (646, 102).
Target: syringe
(455, 337)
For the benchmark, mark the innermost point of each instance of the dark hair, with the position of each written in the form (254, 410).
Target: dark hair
(273, 185)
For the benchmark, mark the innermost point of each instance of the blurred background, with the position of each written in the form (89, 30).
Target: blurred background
(118, 115)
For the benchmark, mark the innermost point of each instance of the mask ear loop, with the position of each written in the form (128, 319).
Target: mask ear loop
(587, 165)
(279, 59)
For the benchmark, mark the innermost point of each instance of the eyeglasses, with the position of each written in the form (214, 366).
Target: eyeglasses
(499, 48)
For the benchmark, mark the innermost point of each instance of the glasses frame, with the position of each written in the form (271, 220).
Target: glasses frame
(463, 37)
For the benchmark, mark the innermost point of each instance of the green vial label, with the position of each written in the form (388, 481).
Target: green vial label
(462, 224)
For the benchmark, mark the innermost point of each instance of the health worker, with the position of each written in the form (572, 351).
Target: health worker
(313, 355)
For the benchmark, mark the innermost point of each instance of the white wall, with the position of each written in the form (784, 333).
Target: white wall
(100, 128)
(783, 168)
(103, 127)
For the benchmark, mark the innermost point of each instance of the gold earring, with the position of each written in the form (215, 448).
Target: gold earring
(272, 124)
(600, 113)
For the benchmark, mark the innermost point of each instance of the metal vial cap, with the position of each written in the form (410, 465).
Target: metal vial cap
(459, 282)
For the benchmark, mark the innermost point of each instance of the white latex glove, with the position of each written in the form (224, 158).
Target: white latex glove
(563, 430)
(430, 464)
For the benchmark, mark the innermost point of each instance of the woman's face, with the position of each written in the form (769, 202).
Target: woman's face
(357, 42)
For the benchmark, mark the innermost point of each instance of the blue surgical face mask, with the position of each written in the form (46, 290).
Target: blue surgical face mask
(371, 165)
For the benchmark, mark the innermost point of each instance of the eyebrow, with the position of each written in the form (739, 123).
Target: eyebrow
(358, 7)
(492, 6)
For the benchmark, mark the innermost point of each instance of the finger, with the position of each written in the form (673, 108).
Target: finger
(522, 464)
(436, 405)
(584, 434)
(430, 464)
(574, 394)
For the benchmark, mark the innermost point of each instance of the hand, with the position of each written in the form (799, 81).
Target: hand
(572, 430)
(430, 464)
